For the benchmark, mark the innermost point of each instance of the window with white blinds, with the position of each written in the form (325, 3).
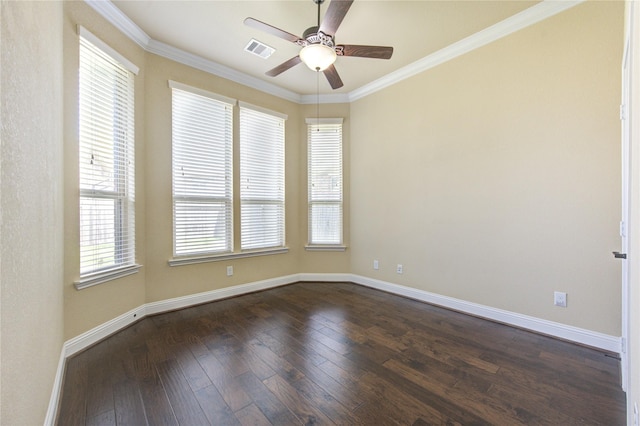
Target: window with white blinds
(106, 157)
(261, 178)
(324, 138)
(202, 133)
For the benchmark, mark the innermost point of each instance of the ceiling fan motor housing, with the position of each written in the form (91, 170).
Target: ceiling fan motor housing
(313, 36)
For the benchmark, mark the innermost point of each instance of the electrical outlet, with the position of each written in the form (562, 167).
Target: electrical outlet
(229, 271)
(376, 265)
(399, 268)
(560, 299)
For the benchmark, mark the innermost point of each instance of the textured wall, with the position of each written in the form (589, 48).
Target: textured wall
(31, 206)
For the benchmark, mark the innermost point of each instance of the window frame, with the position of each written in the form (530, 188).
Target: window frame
(248, 197)
(313, 245)
(119, 154)
(200, 198)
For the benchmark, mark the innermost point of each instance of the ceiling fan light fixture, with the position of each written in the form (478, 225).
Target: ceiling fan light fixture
(318, 56)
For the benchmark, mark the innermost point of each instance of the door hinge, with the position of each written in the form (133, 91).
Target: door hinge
(623, 112)
(623, 345)
(623, 229)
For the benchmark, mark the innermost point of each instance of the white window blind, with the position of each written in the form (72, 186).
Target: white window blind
(325, 180)
(106, 156)
(202, 132)
(261, 178)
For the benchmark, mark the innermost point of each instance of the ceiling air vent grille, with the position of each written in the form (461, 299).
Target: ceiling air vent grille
(258, 48)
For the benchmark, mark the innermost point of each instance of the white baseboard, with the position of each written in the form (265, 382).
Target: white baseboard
(550, 328)
(85, 340)
(223, 293)
(326, 278)
(96, 334)
(54, 400)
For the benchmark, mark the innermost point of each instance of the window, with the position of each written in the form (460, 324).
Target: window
(261, 178)
(325, 181)
(202, 132)
(106, 160)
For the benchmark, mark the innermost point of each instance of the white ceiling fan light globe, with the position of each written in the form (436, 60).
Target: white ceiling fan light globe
(318, 57)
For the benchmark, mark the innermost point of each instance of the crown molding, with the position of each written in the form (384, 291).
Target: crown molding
(111, 13)
(331, 98)
(198, 62)
(530, 16)
(527, 17)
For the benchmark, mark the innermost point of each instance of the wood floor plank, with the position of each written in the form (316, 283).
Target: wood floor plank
(74, 390)
(338, 353)
(193, 372)
(157, 408)
(214, 407)
(105, 418)
(99, 375)
(225, 382)
(252, 416)
(129, 408)
(345, 394)
(183, 401)
(321, 398)
(272, 408)
(304, 409)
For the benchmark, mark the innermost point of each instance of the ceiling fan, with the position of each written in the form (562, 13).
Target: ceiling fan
(319, 50)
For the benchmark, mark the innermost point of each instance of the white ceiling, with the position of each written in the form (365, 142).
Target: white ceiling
(214, 31)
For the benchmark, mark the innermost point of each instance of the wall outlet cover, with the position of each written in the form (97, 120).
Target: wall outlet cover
(560, 299)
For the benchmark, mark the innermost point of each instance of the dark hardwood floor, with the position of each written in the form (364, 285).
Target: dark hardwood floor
(317, 353)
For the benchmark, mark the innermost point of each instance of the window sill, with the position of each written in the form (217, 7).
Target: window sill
(190, 260)
(104, 276)
(325, 247)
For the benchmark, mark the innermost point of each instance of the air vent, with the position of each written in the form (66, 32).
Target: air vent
(258, 48)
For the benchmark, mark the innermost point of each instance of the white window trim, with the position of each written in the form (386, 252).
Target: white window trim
(324, 121)
(87, 35)
(190, 260)
(325, 247)
(247, 105)
(103, 276)
(201, 92)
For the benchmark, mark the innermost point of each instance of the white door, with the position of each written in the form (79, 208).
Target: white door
(624, 224)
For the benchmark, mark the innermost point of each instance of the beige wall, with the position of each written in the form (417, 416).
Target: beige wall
(31, 208)
(495, 178)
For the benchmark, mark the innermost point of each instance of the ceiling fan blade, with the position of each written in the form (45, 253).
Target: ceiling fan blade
(254, 23)
(284, 66)
(332, 76)
(335, 14)
(378, 52)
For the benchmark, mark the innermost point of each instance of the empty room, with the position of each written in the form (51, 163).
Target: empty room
(320, 212)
